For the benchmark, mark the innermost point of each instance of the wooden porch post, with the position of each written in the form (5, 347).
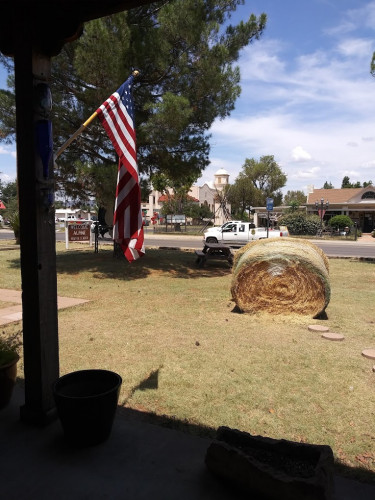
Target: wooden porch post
(37, 234)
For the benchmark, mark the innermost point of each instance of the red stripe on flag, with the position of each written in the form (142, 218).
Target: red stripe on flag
(121, 142)
(116, 115)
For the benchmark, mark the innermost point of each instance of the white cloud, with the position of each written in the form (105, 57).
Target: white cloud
(7, 151)
(6, 178)
(358, 47)
(354, 19)
(232, 167)
(7, 164)
(261, 61)
(368, 165)
(352, 174)
(299, 154)
(326, 142)
(363, 16)
(312, 173)
(323, 100)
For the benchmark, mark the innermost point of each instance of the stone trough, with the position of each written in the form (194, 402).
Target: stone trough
(272, 469)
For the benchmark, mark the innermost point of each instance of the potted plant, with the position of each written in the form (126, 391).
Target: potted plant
(86, 402)
(9, 346)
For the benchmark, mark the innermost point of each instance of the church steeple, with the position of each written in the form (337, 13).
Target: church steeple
(221, 179)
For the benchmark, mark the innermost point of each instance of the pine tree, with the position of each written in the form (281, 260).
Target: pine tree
(186, 52)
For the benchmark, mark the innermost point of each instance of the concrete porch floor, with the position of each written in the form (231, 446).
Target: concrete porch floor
(139, 461)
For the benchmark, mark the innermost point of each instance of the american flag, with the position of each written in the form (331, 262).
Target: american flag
(117, 117)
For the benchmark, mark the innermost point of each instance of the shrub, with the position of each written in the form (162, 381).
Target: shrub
(299, 223)
(340, 222)
(9, 347)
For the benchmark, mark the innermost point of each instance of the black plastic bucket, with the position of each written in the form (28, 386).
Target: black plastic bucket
(86, 403)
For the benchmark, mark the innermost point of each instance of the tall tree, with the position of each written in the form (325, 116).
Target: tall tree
(242, 194)
(346, 183)
(188, 79)
(8, 191)
(327, 185)
(8, 195)
(266, 177)
(294, 197)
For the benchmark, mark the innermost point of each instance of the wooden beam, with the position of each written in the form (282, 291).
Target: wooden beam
(37, 234)
(54, 22)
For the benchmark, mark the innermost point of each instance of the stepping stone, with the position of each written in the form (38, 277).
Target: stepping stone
(318, 328)
(333, 336)
(369, 353)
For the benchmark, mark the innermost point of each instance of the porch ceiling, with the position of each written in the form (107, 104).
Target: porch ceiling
(53, 22)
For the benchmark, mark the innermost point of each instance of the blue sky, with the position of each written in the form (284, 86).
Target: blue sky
(307, 96)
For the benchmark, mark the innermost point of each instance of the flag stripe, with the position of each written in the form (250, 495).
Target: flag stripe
(120, 133)
(122, 147)
(117, 117)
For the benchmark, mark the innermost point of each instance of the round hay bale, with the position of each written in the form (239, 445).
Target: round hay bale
(289, 276)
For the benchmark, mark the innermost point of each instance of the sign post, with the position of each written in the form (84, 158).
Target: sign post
(269, 206)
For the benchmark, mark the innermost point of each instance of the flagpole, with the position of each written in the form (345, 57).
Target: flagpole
(76, 134)
(81, 129)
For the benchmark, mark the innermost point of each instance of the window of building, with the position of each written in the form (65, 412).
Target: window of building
(369, 195)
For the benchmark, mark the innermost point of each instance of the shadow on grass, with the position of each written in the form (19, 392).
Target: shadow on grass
(151, 382)
(356, 473)
(174, 262)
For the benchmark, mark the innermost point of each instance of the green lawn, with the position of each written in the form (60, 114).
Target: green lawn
(169, 329)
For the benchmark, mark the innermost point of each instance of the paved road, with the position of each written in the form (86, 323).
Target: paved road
(360, 248)
(364, 249)
(330, 248)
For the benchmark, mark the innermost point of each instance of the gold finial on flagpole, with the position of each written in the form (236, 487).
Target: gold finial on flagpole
(135, 72)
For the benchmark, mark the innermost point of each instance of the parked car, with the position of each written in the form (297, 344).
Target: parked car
(69, 218)
(214, 228)
(240, 233)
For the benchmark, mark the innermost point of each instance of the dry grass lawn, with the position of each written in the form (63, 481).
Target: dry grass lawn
(169, 329)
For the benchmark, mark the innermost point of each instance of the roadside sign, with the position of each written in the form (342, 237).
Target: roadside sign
(269, 204)
(176, 219)
(77, 231)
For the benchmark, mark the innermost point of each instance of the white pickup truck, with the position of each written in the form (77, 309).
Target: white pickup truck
(215, 228)
(240, 233)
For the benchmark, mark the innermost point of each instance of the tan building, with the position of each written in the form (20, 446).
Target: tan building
(357, 203)
(205, 195)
